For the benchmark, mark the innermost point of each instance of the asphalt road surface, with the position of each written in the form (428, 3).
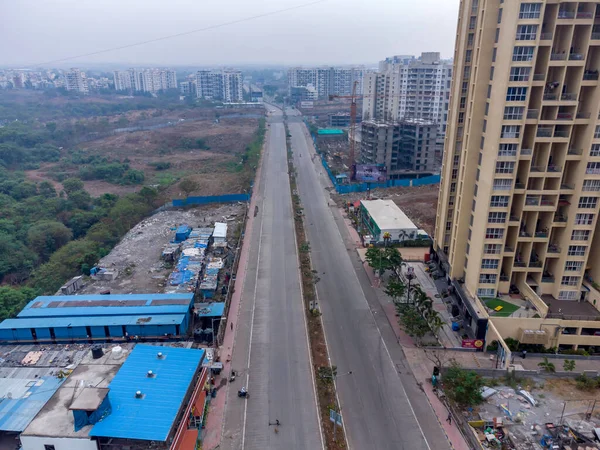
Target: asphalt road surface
(271, 353)
(376, 409)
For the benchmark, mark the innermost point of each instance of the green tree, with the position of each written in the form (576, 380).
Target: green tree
(188, 186)
(377, 259)
(412, 321)
(396, 289)
(12, 300)
(463, 386)
(547, 366)
(569, 365)
(81, 199)
(46, 189)
(47, 236)
(51, 127)
(394, 258)
(71, 185)
(15, 258)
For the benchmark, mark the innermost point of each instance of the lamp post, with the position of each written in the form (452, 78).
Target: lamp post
(410, 274)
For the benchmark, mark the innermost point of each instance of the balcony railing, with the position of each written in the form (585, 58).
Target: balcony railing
(566, 14)
(591, 74)
(533, 113)
(574, 151)
(576, 56)
(545, 36)
(537, 169)
(568, 96)
(541, 234)
(509, 135)
(583, 115)
(585, 15)
(524, 233)
(535, 264)
(561, 134)
(544, 132)
(514, 219)
(520, 264)
(550, 97)
(532, 201)
(565, 186)
(503, 277)
(560, 218)
(558, 56)
(541, 76)
(553, 168)
(526, 151)
(595, 36)
(564, 116)
(553, 248)
(549, 279)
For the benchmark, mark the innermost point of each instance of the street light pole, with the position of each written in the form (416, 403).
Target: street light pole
(410, 274)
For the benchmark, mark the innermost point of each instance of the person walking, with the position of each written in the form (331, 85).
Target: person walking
(449, 418)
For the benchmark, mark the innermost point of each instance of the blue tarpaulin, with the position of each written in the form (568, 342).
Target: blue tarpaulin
(83, 418)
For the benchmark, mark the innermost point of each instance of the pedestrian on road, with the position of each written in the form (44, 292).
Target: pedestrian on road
(449, 418)
(231, 326)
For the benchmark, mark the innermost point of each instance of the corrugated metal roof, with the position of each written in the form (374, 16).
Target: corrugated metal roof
(98, 311)
(45, 322)
(28, 397)
(151, 417)
(210, 309)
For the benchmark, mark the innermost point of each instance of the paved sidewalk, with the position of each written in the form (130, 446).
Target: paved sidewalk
(213, 431)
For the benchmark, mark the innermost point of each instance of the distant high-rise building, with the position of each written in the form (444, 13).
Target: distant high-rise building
(145, 80)
(122, 80)
(224, 85)
(327, 80)
(75, 80)
(406, 87)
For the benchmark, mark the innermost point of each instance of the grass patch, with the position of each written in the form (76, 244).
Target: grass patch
(507, 308)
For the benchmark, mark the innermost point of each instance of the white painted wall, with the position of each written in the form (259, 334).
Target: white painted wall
(37, 443)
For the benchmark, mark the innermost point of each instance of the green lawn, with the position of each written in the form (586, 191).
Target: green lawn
(507, 308)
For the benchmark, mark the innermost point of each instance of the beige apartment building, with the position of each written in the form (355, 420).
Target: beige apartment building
(520, 184)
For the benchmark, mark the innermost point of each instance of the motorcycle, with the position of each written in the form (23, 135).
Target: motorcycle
(242, 393)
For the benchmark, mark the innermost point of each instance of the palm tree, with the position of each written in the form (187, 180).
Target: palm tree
(387, 237)
(547, 366)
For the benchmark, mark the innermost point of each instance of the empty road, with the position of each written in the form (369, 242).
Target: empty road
(378, 411)
(271, 353)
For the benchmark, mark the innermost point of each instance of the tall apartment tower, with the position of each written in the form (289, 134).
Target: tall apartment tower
(225, 85)
(75, 80)
(327, 80)
(520, 180)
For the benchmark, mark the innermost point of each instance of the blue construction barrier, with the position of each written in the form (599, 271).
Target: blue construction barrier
(363, 187)
(227, 198)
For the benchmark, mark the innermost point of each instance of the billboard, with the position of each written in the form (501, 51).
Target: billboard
(473, 343)
(370, 173)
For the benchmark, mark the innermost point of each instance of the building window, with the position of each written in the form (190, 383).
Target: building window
(526, 32)
(508, 150)
(494, 52)
(580, 235)
(463, 102)
(523, 53)
(497, 217)
(510, 131)
(591, 185)
(516, 94)
(489, 263)
(597, 132)
(584, 219)
(519, 73)
(472, 22)
(588, 202)
(49, 447)
(593, 168)
(500, 15)
(461, 117)
(568, 295)
(513, 112)
(573, 266)
(484, 292)
(470, 39)
(505, 167)
(487, 108)
(448, 226)
(494, 233)
(492, 249)
(484, 125)
(491, 73)
(499, 201)
(530, 10)
(482, 143)
(497, 34)
(595, 150)
(502, 184)
(576, 250)
(468, 54)
(489, 92)
(487, 278)
(569, 281)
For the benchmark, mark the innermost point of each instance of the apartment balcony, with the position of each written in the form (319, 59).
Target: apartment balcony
(576, 56)
(533, 113)
(550, 97)
(519, 187)
(564, 116)
(547, 278)
(545, 36)
(526, 153)
(574, 152)
(560, 219)
(535, 264)
(584, 15)
(540, 235)
(569, 96)
(561, 134)
(553, 168)
(583, 115)
(514, 219)
(595, 36)
(553, 249)
(503, 277)
(566, 187)
(540, 76)
(520, 264)
(524, 234)
(558, 57)
(531, 201)
(566, 14)
(591, 75)
(544, 132)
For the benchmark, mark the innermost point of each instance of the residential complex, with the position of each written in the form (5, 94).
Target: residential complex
(325, 81)
(404, 147)
(75, 80)
(145, 80)
(520, 181)
(225, 85)
(406, 87)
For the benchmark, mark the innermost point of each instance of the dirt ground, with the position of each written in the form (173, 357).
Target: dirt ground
(212, 169)
(419, 203)
(137, 256)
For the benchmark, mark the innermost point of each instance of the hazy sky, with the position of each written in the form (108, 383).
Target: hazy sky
(334, 31)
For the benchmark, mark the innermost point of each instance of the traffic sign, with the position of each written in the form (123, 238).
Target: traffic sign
(335, 417)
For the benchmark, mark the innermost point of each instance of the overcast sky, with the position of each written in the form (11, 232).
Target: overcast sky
(332, 32)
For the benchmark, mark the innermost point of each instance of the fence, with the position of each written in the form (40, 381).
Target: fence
(363, 187)
(227, 198)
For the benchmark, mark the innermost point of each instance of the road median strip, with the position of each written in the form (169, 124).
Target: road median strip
(324, 372)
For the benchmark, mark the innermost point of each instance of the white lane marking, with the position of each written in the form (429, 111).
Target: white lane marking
(380, 335)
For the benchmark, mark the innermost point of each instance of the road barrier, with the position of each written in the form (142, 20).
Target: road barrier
(227, 198)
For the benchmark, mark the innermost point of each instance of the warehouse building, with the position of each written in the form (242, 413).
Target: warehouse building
(155, 398)
(90, 318)
(380, 218)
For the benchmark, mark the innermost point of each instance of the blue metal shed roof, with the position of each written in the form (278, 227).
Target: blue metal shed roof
(16, 413)
(152, 417)
(97, 321)
(210, 309)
